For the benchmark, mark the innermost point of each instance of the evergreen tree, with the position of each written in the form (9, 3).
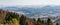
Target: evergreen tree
(39, 22)
(43, 22)
(22, 20)
(57, 24)
(11, 17)
(49, 22)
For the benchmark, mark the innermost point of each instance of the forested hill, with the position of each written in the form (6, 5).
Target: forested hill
(13, 18)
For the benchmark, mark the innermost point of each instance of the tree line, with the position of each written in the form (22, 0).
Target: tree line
(15, 19)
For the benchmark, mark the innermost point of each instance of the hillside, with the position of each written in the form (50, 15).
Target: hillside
(12, 15)
(8, 16)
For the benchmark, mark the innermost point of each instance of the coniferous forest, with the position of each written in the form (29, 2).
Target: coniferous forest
(13, 18)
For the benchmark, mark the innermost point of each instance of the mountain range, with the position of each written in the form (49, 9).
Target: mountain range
(35, 11)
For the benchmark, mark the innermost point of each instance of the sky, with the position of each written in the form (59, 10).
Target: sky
(28, 2)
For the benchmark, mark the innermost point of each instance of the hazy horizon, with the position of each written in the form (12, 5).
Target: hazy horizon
(28, 2)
